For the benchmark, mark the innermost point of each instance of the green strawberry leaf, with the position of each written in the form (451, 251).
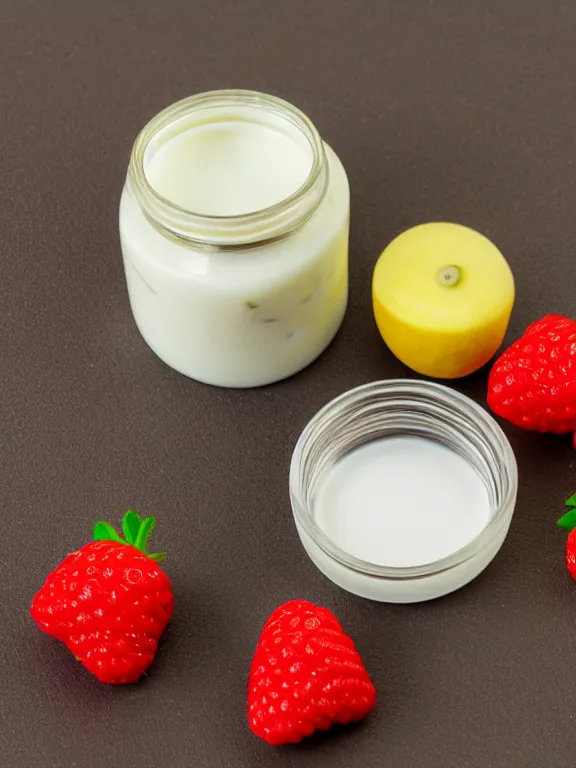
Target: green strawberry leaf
(135, 529)
(145, 530)
(571, 502)
(105, 532)
(131, 525)
(568, 521)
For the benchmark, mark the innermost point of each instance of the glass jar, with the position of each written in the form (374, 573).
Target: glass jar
(234, 231)
(391, 408)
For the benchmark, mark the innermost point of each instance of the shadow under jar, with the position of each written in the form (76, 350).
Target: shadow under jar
(234, 230)
(418, 549)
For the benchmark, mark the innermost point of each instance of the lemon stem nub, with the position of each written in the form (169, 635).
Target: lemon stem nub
(449, 276)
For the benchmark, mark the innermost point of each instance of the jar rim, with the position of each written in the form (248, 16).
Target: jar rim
(254, 227)
(499, 518)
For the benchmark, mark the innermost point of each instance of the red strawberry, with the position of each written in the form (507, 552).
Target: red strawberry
(305, 676)
(533, 383)
(568, 522)
(109, 602)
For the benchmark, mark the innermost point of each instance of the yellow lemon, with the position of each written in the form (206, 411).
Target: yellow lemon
(442, 297)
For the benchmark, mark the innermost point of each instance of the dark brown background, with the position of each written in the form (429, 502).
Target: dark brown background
(439, 110)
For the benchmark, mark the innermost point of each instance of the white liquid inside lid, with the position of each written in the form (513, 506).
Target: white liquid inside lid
(229, 168)
(402, 501)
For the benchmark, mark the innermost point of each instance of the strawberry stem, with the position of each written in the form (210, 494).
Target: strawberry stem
(136, 532)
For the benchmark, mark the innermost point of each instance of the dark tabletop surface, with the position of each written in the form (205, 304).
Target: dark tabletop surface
(439, 110)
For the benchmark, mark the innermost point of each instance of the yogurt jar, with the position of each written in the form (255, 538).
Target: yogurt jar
(402, 491)
(234, 231)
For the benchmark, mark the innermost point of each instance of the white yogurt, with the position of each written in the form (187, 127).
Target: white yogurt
(243, 317)
(402, 501)
(229, 169)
